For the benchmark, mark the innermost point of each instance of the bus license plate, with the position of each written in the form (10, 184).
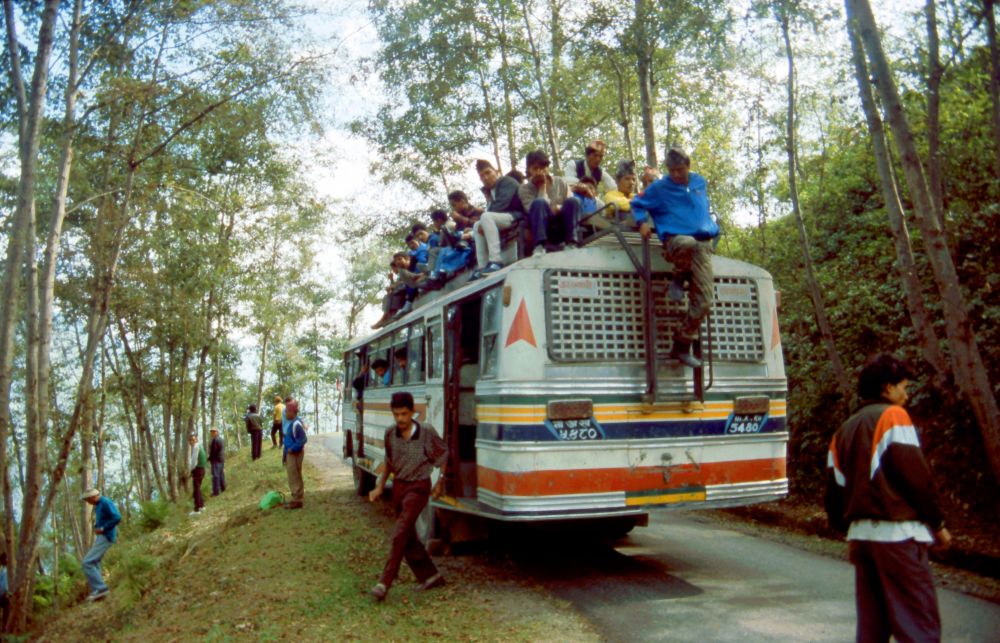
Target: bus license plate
(575, 430)
(743, 423)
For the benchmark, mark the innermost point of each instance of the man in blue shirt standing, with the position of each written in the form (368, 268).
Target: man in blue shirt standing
(678, 206)
(106, 518)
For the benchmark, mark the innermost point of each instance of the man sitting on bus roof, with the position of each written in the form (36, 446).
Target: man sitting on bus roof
(591, 166)
(401, 291)
(550, 205)
(503, 210)
(678, 205)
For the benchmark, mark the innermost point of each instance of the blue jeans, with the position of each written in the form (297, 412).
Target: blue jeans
(541, 220)
(92, 564)
(218, 478)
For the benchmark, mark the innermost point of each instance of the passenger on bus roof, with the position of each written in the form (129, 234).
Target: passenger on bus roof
(649, 174)
(590, 166)
(419, 251)
(621, 196)
(503, 210)
(550, 206)
(401, 290)
(678, 205)
(463, 214)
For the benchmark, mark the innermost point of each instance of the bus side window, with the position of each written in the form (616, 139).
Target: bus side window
(491, 332)
(435, 349)
(398, 359)
(415, 354)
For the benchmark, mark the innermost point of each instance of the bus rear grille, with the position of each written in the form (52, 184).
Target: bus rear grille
(597, 316)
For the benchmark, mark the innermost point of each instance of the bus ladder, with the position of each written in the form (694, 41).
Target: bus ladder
(702, 350)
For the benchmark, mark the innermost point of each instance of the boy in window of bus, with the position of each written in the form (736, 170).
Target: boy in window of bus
(678, 206)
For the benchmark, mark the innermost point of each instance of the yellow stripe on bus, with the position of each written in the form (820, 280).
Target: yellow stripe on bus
(667, 498)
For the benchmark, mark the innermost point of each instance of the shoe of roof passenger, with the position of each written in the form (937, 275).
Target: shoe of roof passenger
(476, 274)
(681, 351)
(538, 252)
(407, 307)
(555, 247)
(676, 290)
(491, 267)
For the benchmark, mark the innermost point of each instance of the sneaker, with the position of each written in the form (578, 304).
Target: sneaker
(437, 580)
(538, 252)
(378, 592)
(96, 596)
(407, 307)
(681, 351)
(555, 247)
(491, 267)
(476, 274)
(195, 513)
(675, 290)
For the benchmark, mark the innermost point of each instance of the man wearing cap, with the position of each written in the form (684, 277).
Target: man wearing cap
(295, 445)
(106, 518)
(197, 461)
(217, 456)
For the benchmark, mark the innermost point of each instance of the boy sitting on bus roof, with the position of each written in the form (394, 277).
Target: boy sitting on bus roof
(503, 211)
(550, 205)
(678, 205)
(401, 291)
(463, 214)
(622, 195)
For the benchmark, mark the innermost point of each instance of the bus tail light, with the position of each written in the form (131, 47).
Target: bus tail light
(579, 409)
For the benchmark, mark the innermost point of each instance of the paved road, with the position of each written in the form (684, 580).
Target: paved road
(685, 578)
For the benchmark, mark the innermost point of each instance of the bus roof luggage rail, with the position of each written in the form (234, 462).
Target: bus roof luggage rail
(617, 234)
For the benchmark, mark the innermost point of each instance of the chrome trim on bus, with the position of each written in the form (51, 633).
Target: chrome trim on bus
(745, 490)
(534, 504)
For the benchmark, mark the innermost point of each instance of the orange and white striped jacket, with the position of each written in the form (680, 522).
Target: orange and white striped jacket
(876, 470)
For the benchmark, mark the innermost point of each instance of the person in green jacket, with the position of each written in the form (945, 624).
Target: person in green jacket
(198, 461)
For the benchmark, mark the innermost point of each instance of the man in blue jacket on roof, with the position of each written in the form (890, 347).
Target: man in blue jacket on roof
(106, 518)
(678, 206)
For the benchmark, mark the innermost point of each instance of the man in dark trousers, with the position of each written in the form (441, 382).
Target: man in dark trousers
(217, 458)
(880, 490)
(106, 518)
(197, 461)
(256, 430)
(412, 451)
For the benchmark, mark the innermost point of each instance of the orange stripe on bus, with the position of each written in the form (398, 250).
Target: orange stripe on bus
(546, 483)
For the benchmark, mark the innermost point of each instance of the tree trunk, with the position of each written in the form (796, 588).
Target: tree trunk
(839, 372)
(547, 117)
(934, 73)
(991, 37)
(30, 110)
(909, 277)
(970, 372)
(507, 83)
(644, 67)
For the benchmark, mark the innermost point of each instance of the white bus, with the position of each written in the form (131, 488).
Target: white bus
(551, 384)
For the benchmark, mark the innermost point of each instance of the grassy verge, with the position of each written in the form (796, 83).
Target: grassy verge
(237, 573)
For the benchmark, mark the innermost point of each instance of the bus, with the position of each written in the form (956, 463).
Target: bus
(551, 384)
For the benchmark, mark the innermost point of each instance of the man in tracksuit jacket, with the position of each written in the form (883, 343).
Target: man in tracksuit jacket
(678, 206)
(880, 490)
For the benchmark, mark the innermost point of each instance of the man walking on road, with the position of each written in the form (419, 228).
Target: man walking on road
(412, 451)
(295, 444)
(106, 518)
(880, 490)
(217, 456)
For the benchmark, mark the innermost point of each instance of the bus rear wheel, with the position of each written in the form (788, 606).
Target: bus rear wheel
(363, 481)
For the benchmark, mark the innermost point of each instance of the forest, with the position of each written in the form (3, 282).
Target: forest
(168, 224)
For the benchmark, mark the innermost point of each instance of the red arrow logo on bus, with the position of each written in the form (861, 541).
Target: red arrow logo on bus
(520, 328)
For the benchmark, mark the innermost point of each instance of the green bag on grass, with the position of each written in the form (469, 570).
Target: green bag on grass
(271, 499)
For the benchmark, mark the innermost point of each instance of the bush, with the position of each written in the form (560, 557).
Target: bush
(135, 574)
(153, 514)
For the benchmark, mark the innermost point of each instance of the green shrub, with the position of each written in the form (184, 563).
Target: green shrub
(153, 514)
(134, 571)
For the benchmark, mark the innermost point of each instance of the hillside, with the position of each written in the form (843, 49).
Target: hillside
(238, 573)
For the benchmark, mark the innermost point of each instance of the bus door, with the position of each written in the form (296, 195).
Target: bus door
(462, 330)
